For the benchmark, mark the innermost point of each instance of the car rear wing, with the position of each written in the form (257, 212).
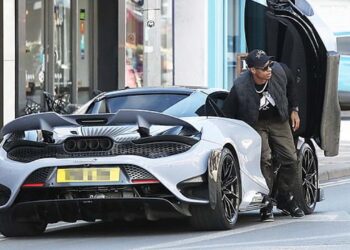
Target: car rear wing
(50, 120)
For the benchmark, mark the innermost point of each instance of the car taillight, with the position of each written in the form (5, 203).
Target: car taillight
(29, 185)
(144, 181)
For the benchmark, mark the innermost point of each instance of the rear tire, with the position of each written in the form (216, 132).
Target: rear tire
(9, 227)
(307, 184)
(228, 189)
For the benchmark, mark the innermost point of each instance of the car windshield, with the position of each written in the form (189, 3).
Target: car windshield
(179, 105)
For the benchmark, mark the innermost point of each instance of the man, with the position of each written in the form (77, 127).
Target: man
(265, 97)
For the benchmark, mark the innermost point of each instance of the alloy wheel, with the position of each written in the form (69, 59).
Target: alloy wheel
(309, 177)
(229, 188)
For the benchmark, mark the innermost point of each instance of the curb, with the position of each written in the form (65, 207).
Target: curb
(335, 173)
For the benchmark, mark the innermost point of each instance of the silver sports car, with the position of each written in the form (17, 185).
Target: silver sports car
(129, 156)
(163, 152)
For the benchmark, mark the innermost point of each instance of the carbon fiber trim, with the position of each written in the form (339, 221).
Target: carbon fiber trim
(137, 173)
(39, 176)
(149, 150)
(133, 173)
(5, 194)
(88, 144)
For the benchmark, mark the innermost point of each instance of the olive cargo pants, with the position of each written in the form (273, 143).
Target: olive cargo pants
(277, 141)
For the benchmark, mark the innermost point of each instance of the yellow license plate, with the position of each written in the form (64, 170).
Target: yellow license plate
(65, 175)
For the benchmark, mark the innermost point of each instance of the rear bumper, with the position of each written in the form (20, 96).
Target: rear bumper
(92, 209)
(169, 171)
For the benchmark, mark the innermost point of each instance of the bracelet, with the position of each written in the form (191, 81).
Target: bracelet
(296, 109)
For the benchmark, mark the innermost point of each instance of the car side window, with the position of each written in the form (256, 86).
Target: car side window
(217, 100)
(97, 108)
(103, 107)
(211, 109)
(193, 105)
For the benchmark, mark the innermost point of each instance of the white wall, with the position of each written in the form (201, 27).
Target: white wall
(190, 51)
(9, 60)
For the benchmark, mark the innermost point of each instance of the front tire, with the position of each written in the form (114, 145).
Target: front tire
(228, 191)
(9, 227)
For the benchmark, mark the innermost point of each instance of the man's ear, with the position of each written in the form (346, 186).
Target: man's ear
(252, 70)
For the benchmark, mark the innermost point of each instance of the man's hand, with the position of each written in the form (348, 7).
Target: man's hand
(294, 117)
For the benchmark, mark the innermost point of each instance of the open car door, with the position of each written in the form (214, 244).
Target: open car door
(292, 33)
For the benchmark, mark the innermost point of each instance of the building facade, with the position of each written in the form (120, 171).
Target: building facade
(68, 49)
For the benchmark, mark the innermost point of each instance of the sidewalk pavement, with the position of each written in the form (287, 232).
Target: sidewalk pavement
(338, 166)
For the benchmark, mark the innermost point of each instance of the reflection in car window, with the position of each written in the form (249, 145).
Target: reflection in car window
(194, 105)
(150, 102)
(98, 108)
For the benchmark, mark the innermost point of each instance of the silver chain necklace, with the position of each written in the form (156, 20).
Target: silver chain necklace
(263, 89)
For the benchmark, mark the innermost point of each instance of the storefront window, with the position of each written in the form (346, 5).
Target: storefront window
(44, 55)
(234, 38)
(148, 48)
(83, 54)
(62, 49)
(167, 42)
(33, 63)
(134, 46)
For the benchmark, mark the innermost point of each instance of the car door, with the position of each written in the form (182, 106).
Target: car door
(292, 32)
(215, 103)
